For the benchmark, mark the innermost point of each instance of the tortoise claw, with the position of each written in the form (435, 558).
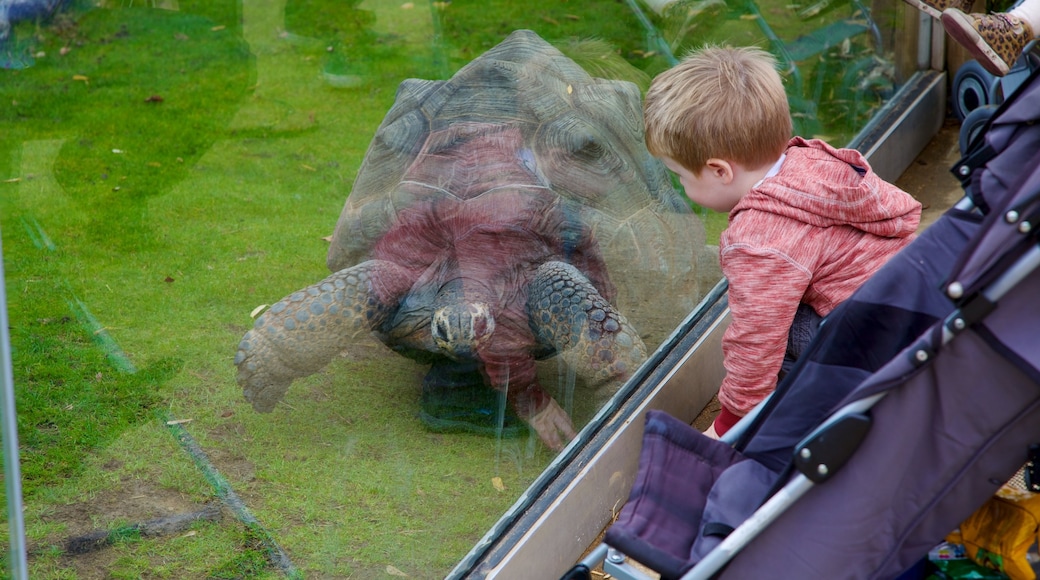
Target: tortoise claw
(553, 426)
(262, 383)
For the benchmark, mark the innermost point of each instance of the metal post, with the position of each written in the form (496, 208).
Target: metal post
(9, 423)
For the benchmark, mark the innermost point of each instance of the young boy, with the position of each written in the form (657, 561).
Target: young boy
(808, 223)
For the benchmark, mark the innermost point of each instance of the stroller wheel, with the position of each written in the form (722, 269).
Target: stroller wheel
(973, 87)
(972, 126)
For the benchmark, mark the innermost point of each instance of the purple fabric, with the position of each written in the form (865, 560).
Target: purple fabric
(677, 468)
(737, 493)
(1000, 237)
(1005, 181)
(941, 444)
(1020, 342)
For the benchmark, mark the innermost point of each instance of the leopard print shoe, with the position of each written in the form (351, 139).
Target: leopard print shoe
(995, 40)
(934, 8)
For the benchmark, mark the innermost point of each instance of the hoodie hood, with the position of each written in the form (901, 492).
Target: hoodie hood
(823, 186)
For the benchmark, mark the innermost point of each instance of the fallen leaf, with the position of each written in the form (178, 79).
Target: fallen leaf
(394, 571)
(216, 28)
(497, 483)
(326, 238)
(154, 99)
(168, 280)
(307, 167)
(179, 421)
(257, 310)
(83, 78)
(227, 414)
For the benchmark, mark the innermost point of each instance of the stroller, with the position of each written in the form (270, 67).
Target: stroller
(918, 398)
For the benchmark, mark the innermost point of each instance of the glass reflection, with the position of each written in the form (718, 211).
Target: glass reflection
(169, 167)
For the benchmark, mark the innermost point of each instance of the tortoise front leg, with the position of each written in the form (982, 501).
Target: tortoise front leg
(567, 312)
(303, 332)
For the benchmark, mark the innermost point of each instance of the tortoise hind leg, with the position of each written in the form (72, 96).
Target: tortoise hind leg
(567, 312)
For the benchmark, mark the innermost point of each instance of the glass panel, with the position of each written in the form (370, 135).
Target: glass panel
(173, 175)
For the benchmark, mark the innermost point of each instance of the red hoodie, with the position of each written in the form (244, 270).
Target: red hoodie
(812, 233)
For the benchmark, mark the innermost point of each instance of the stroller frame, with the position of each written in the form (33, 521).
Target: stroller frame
(822, 453)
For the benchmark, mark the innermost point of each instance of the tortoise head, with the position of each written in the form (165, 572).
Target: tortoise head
(460, 329)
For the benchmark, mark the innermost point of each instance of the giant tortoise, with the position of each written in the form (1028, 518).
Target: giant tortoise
(480, 234)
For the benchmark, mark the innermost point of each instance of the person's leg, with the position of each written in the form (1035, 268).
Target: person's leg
(805, 326)
(994, 40)
(1028, 12)
(935, 8)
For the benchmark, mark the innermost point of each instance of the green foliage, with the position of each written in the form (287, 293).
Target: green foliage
(70, 400)
(124, 535)
(327, 19)
(143, 106)
(250, 562)
(471, 27)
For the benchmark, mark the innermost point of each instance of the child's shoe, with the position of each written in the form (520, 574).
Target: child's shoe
(934, 8)
(995, 40)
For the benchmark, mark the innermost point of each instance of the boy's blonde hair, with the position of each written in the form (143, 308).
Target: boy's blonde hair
(726, 103)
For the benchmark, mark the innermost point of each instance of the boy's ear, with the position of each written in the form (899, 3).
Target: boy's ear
(720, 169)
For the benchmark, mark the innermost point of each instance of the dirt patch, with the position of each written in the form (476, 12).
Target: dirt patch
(135, 502)
(928, 178)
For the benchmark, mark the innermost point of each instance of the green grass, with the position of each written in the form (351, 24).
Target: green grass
(163, 173)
